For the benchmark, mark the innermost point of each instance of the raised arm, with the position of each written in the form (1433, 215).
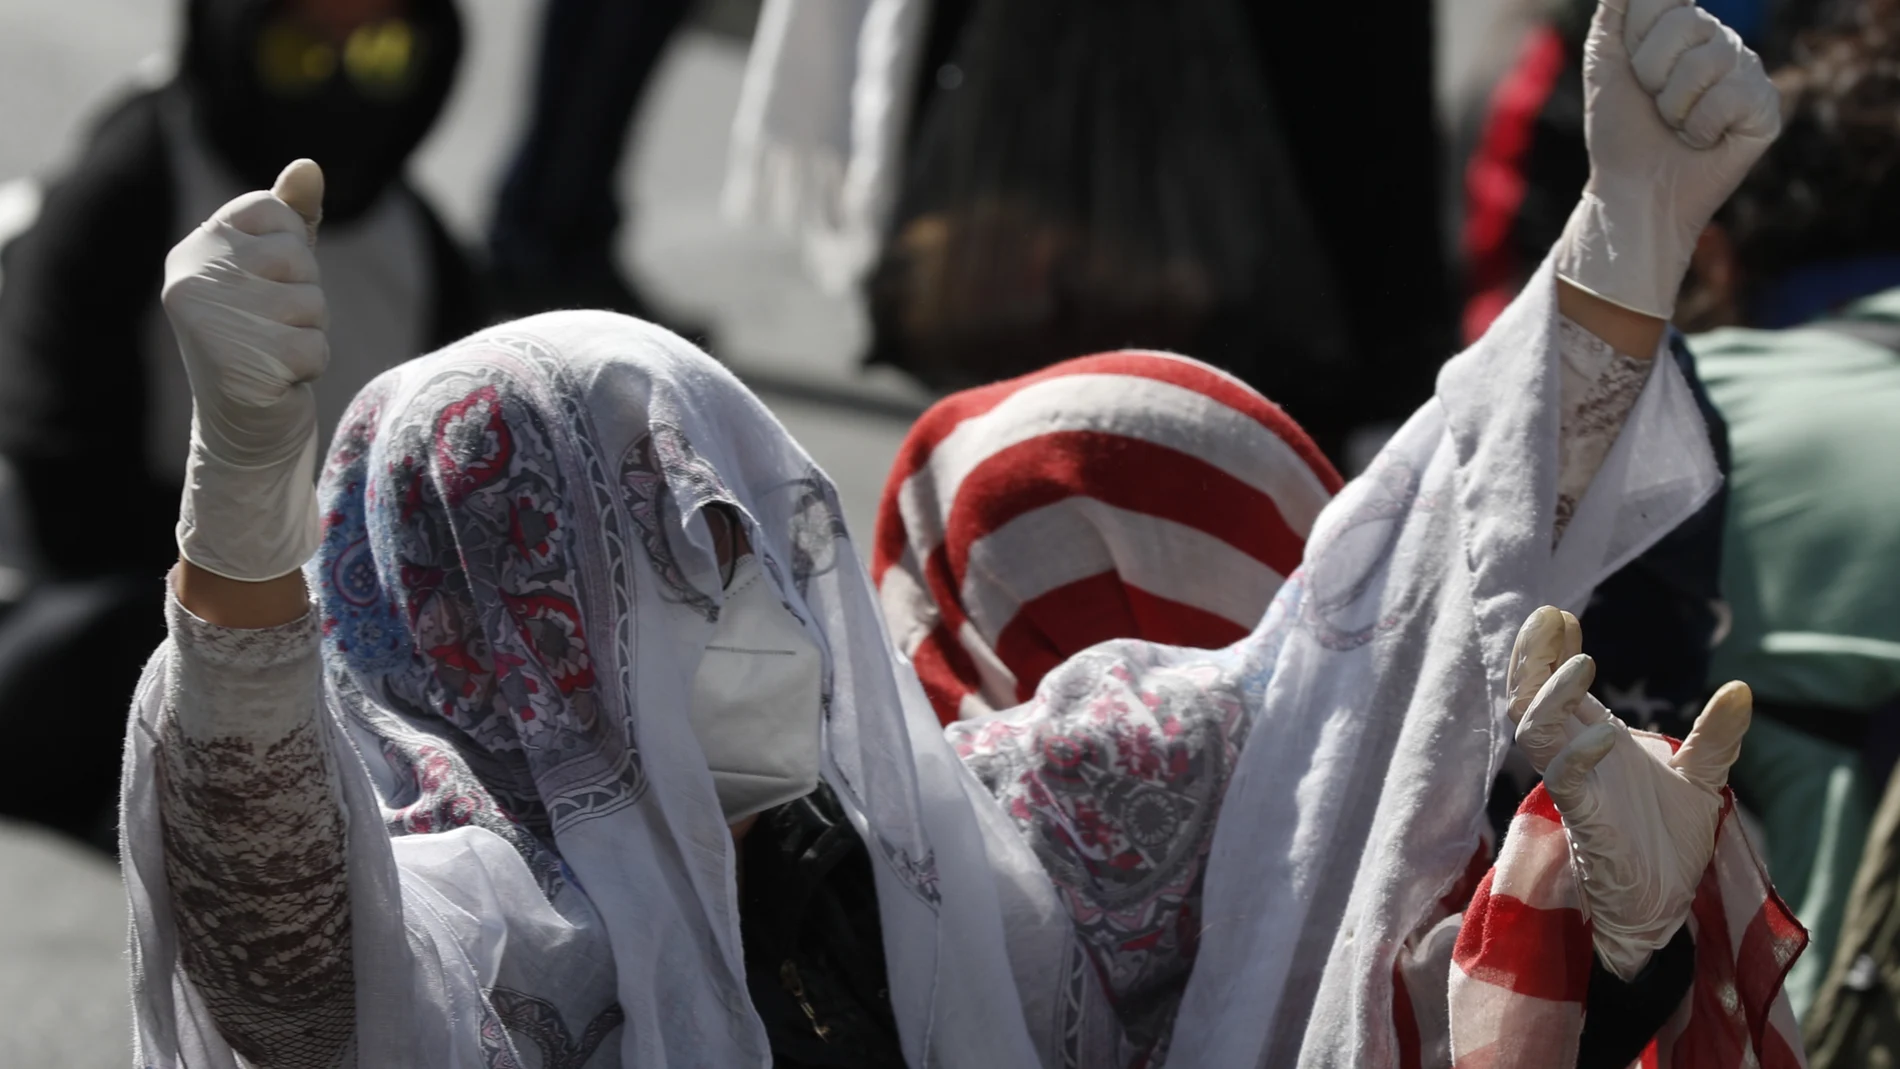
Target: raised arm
(1637, 334)
(1676, 112)
(253, 832)
(243, 297)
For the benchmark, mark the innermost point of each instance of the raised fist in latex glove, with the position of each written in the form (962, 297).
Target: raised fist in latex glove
(1641, 821)
(1676, 110)
(242, 295)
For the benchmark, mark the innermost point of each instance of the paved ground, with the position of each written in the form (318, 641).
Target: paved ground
(64, 1000)
(62, 926)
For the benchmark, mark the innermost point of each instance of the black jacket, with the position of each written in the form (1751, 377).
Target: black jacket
(814, 946)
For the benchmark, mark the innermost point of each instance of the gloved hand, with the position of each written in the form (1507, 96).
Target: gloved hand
(242, 295)
(1641, 821)
(1676, 110)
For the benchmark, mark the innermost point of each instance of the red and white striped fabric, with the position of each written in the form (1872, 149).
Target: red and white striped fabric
(1521, 967)
(1125, 495)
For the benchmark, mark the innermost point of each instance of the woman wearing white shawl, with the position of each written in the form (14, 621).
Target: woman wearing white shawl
(520, 853)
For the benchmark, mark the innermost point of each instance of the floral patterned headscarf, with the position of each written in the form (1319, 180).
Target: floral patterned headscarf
(517, 585)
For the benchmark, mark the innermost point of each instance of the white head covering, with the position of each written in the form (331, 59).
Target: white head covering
(517, 587)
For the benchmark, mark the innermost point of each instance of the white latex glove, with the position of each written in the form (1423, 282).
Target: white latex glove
(1676, 110)
(243, 297)
(1641, 821)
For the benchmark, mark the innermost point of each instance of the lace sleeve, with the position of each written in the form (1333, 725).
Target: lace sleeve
(1600, 387)
(253, 839)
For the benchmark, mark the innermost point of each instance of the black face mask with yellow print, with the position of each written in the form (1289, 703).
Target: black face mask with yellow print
(269, 87)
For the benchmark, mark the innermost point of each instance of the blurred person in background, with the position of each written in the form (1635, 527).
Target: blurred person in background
(557, 219)
(94, 404)
(1796, 284)
(1012, 185)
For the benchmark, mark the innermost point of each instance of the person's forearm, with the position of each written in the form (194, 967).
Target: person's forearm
(1599, 385)
(1624, 330)
(238, 604)
(248, 314)
(254, 836)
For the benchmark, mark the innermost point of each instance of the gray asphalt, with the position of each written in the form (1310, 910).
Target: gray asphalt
(63, 994)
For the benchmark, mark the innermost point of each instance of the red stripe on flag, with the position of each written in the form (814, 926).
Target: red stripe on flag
(1771, 943)
(1538, 805)
(1055, 626)
(941, 582)
(1175, 623)
(1775, 1052)
(1543, 953)
(889, 537)
(1456, 899)
(1717, 1034)
(1494, 179)
(1405, 1021)
(1126, 473)
(946, 671)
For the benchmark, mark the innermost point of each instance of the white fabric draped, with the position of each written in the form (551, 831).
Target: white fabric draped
(1360, 797)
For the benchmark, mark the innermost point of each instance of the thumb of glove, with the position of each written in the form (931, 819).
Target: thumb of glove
(1716, 739)
(1611, 17)
(300, 185)
(1534, 656)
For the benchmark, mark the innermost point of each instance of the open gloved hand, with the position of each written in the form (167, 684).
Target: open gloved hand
(1641, 821)
(243, 298)
(1676, 111)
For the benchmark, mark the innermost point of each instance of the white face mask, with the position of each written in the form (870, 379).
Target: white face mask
(756, 701)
